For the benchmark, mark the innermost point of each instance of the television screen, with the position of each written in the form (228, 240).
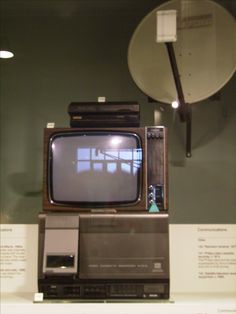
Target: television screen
(95, 167)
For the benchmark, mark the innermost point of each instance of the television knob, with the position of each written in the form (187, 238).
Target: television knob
(151, 195)
(151, 188)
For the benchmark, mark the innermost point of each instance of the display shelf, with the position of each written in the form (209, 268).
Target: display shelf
(179, 303)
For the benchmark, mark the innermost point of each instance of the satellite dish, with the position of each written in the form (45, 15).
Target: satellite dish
(205, 52)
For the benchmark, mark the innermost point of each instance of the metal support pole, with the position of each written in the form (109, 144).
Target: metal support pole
(189, 132)
(184, 109)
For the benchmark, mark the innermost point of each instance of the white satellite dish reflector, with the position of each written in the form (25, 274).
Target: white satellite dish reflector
(205, 52)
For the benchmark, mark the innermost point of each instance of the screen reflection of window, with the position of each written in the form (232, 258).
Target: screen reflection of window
(111, 167)
(111, 154)
(83, 166)
(97, 154)
(97, 166)
(109, 160)
(126, 154)
(125, 167)
(83, 154)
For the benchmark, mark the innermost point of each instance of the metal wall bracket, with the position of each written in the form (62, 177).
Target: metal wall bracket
(184, 109)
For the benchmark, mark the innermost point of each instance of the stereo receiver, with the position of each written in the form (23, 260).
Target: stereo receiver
(103, 256)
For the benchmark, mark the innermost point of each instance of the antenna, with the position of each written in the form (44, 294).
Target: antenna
(204, 49)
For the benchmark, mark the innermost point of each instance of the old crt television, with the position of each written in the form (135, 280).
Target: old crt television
(94, 169)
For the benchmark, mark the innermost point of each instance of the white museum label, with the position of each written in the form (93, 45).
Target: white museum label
(216, 253)
(203, 258)
(18, 257)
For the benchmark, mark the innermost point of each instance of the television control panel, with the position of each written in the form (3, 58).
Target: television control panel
(157, 167)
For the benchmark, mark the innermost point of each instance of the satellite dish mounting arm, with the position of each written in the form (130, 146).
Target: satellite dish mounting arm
(184, 109)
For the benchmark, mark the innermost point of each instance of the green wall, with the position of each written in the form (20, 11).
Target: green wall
(68, 52)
